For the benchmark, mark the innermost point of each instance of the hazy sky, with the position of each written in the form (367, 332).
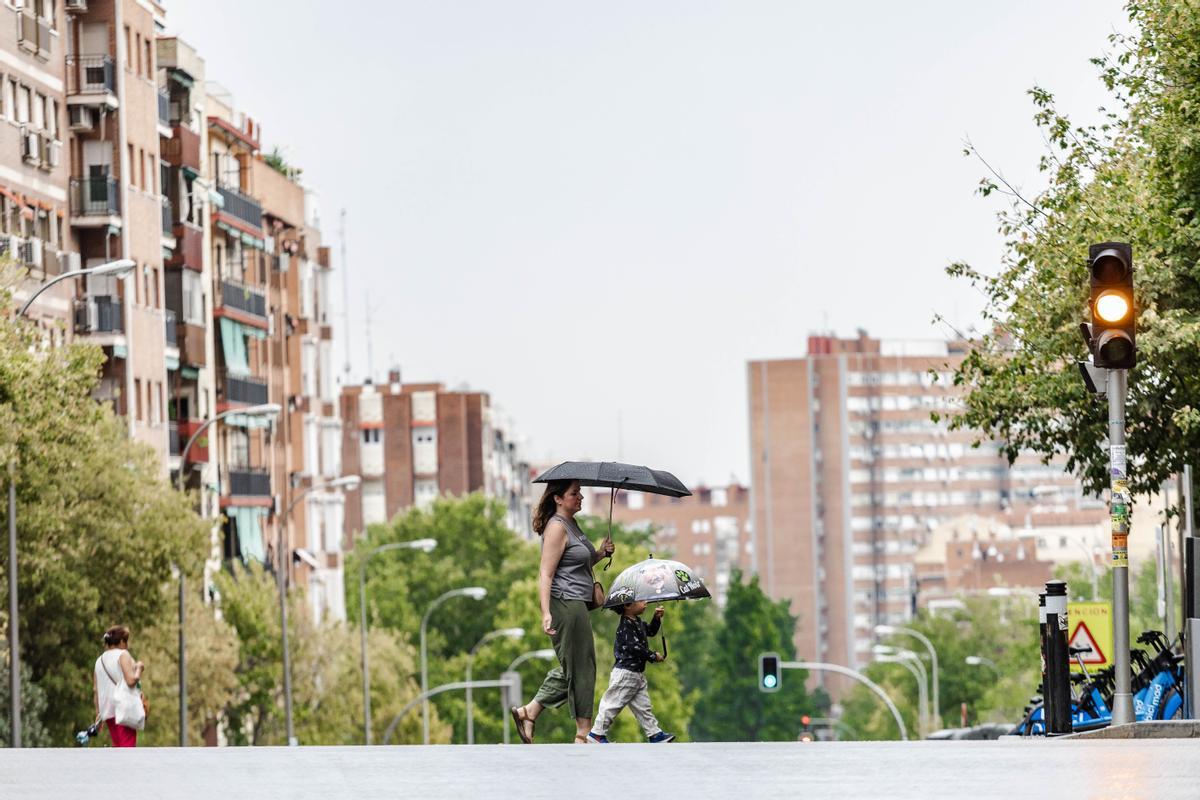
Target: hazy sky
(599, 211)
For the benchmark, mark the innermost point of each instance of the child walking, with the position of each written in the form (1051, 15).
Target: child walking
(627, 685)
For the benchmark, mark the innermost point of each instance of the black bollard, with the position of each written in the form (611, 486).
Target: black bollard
(1042, 647)
(1058, 664)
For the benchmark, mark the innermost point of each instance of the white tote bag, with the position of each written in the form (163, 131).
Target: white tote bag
(127, 701)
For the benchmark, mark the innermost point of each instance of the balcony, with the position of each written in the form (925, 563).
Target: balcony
(199, 452)
(95, 197)
(245, 391)
(92, 75)
(172, 335)
(249, 482)
(164, 108)
(241, 207)
(173, 439)
(183, 148)
(99, 315)
(189, 247)
(243, 298)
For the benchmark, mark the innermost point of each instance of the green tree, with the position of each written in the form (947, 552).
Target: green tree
(729, 705)
(1134, 176)
(98, 527)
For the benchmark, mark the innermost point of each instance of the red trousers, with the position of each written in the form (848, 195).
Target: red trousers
(121, 735)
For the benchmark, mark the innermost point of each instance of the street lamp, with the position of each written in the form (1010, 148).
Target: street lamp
(912, 662)
(425, 546)
(350, 483)
(980, 661)
(117, 269)
(546, 655)
(270, 410)
(510, 633)
(891, 630)
(473, 592)
(120, 269)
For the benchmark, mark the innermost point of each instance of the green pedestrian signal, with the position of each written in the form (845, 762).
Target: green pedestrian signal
(769, 674)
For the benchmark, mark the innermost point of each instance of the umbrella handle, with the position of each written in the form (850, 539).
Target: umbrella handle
(664, 641)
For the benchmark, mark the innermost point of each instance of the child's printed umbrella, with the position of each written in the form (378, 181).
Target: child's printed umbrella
(655, 580)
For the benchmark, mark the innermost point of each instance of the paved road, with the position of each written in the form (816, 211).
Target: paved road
(1013, 770)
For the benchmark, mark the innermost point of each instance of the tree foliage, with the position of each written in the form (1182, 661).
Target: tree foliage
(98, 526)
(1133, 176)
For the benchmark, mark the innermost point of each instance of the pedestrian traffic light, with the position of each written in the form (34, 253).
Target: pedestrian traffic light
(1112, 306)
(769, 675)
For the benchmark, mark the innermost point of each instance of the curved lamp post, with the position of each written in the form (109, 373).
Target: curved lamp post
(546, 654)
(892, 630)
(473, 592)
(510, 633)
(912, 662)
(263, 410)
(119, 269)
(425, 546)
(348, 482)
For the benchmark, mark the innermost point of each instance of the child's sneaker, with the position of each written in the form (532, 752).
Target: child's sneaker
(597, 738)
(662, 737)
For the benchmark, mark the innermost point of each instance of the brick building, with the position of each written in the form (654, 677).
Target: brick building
(851, 475)
(414, 442)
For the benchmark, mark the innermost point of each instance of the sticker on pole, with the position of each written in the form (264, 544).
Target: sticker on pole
(1091, 628)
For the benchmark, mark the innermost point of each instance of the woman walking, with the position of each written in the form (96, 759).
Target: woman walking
(115, 664)
(564, 590)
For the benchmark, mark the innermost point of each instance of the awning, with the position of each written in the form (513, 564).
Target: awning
(120, 351)
(249, 532)
(172, 363)
(233, 344)
(191, 373)
(247, 421)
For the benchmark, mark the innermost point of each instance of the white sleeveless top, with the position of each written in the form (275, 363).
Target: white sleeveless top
(108, 673)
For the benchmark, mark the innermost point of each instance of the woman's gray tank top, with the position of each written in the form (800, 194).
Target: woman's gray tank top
(573, 576)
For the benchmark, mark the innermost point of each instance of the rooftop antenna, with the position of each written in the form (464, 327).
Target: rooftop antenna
(345, 292)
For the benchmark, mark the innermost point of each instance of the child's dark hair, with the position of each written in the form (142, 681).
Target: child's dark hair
(620, 610)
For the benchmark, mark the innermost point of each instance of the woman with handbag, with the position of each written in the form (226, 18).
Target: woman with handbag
(567, 591)
(119, 702)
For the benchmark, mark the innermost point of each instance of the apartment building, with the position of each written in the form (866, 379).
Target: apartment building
(851, 475)
(117, 207)
(414, 442)
(709, 531)
(34, 172)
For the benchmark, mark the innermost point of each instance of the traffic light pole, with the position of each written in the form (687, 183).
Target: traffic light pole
(858, 676)
(1120, 508)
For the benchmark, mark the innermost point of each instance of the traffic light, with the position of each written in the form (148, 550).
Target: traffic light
(769, 674)
(806, 734)
(1111, 304)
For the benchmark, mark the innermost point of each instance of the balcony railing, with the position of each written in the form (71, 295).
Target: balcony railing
(189, 248)
(99, 315)
(183, 148)
(252, 391)
(249, 482)
(243, 298)
(91, 75)
(171, 331)
(240, 206)
(199, 452)
(95, 197)
(164, 108)
(173, 438)
(167, 213)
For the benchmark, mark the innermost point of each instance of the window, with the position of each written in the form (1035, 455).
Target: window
(10, 98)
(128, 48)
(149, 60)
(193, 298)
(239, 448)
(137, 393)
(370, 436)
(52, 119)
(24, 101)
(137, 37)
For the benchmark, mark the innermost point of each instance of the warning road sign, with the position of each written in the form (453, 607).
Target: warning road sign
(1091, 627)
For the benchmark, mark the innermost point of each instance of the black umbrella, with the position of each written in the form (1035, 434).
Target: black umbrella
(616, 476)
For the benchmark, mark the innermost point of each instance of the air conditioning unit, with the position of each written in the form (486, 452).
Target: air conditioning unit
(31, 253)
(77, 5)
(68, 262)
(82, 118)
(31, 146)
(10, 247)
(52, 155)
(85, 316)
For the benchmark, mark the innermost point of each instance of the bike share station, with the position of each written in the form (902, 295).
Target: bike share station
(1115, 701)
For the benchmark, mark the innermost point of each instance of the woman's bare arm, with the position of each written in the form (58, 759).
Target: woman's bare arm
(554, 543)
(131, 670)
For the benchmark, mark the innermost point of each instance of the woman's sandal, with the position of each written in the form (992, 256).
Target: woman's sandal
(520, 717)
